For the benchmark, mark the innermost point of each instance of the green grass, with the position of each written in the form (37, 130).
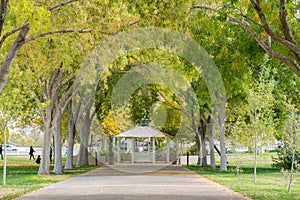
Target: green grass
(271, 182)
(22, 176)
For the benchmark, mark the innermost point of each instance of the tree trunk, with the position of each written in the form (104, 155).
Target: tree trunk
(110, 146)
(79, 161)
(72, 131)
(70, 153)
(221, 121)
(85, 152)
(202, 160)
(52, 116)
(80, 152)
(211, 145)
(202, 155)
(203, 152)
(84, 139)
(291, 177)
(57, 147)
(4, 161)
(255, 145)
(44, 168)
(255, 155)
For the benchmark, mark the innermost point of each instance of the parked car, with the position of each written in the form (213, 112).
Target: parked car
(11, 148)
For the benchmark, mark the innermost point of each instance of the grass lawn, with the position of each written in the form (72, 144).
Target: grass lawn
(22, 176)
(271, 182)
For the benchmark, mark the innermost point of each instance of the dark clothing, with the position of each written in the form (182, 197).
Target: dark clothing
(38, 160)
(31, 153)
(50, 155)
(1, 152)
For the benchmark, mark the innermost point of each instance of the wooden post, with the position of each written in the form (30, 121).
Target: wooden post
(187, 158)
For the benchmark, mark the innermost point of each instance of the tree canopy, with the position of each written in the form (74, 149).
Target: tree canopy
(44, 45)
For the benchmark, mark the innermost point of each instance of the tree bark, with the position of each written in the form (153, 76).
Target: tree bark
(255, 144)
(11, 54)
(44, 168)
(291, 175)
(84, 140)
(56, 130)
(211, 145)
(221, 121)
(51, 8)
(72, 131)
(3, 9)
(84, 122)
(202, 159)
(5, 157)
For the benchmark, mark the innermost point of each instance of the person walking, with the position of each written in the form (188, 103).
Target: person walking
(31, 153)
(1, 152)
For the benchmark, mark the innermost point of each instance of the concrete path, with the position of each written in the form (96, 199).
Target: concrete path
(147, 182)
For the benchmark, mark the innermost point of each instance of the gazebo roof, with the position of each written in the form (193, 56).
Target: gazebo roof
(141, 132)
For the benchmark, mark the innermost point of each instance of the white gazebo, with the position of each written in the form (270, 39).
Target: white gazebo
(143, 131)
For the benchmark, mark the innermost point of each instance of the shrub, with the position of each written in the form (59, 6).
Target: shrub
(284, 159)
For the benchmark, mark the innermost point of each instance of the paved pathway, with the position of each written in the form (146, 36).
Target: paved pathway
(167, 183)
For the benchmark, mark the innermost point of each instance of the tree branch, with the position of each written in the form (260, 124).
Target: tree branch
(205, 8)
(190, 117)
(51, 8)
(53, 78)
(7, 34)
(3, 10)
(15, 47)
(77, 109)
(117, 31)
(46, 84)
(270, 32)
(134, 22)
(66, 97)
(56, 32)
(66, 81)
(36, 98)
(84, 106)
(57, 82)
(292, 47)
(98, 105)
(284, 22)
(286, 28)
(267, 48)
(250, 19)
(230, 111)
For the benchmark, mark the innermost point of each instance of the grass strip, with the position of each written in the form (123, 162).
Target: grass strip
(271, 183)
(22, 176)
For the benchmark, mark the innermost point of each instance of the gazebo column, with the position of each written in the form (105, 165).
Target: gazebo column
(153, 147)
(168, 150)
(119, 151)
(132, 155)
